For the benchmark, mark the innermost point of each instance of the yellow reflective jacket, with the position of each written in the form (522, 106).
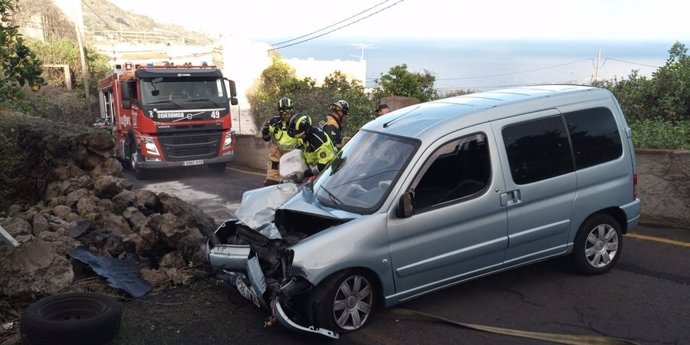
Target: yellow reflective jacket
(280, 136)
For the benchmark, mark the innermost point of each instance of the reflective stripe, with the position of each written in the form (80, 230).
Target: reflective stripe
(281, 138)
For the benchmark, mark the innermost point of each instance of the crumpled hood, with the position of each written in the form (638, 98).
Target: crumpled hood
(305, 202)
(303, 214)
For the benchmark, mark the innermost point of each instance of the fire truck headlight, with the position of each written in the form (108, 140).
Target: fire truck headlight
(150, 146)
(228, 140)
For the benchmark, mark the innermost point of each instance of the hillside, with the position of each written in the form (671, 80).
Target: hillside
(103, 22)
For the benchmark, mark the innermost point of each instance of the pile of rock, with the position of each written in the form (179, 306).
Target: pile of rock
(87, 203)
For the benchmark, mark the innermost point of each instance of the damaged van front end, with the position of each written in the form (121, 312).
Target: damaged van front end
(259, 268)
(311, 253)
(258, 261)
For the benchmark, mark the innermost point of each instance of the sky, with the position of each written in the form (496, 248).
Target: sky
(274, 21)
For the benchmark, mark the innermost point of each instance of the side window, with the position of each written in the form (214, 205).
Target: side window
(537, 150)
(457, 170)
(594, 135)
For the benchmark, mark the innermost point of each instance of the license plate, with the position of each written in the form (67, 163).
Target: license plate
(196, 162)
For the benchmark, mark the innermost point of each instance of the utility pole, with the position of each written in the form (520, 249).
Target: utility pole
(79, 27)
(596, 68)
(361, 46)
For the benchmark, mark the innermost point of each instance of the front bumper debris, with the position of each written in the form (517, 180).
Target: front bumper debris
(289, 324)
(237, 263)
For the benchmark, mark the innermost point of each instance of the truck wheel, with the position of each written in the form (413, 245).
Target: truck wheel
(598, 244)
(344, 302)
(134, 164)
(71, 318)
(217, 168)
(130, 146)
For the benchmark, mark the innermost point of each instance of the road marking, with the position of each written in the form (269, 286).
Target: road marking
(659, 239)
(247, 171)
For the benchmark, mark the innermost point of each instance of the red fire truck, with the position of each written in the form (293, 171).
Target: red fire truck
(168, 116)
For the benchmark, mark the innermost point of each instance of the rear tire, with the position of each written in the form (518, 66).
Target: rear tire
(598, 245)
(343, 302)
(72, 318)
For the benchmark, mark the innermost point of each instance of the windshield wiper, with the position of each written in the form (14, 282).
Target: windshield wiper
(205, 100)
(164, 101)
(333, 198)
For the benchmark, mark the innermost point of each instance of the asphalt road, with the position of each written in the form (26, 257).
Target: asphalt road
(217, 195)
(644, 299)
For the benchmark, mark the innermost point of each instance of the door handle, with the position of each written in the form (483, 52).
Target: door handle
(510, 198)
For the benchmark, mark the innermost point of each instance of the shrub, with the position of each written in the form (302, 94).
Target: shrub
(661, 134)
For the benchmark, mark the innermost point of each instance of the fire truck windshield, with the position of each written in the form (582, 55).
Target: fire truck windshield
(184, 92)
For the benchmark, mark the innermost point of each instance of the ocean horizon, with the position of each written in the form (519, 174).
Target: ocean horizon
(490, 64)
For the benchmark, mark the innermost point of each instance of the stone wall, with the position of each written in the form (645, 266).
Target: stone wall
(251, 152)
(664, 187)
(87, 203)
(663, 180)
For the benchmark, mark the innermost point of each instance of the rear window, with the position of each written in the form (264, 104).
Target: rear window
(594, 135)
(540, 149)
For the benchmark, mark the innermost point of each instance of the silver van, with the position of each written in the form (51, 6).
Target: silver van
(439, 193)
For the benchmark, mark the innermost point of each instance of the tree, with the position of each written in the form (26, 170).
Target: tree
(665, 96)
(273, 82)
(280, 80)
(66, 52)
(401, 82)
(671, 86)
(336, 86)
(18, 64)
(632, 93)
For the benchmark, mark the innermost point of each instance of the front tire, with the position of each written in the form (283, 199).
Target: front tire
(598, 244)
(134, 163)
(344, 302)
(72, 318)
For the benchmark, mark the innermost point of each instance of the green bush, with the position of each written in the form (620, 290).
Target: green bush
(18, 64)
(66, 52)
(59, 104)
(661, 134)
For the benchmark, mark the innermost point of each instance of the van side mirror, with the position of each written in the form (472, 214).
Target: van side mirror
(233, 91)
(405, 208)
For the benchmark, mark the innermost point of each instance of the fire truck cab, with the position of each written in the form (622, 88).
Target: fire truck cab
(168, 116)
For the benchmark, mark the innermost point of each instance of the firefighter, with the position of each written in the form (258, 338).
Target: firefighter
(275, 131)
(334, 122)
(317, 147)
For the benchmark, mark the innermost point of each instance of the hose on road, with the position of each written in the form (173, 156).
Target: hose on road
(572, 339)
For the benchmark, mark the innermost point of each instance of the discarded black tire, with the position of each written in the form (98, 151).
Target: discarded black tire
(72, 318)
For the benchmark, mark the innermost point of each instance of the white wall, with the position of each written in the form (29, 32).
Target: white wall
(244, 61)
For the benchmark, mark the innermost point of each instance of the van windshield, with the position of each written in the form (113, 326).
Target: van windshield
(364, 171)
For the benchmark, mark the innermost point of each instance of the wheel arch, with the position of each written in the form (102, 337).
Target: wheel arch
(615, 212)
(373, 277)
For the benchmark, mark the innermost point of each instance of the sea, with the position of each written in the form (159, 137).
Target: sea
(489, 64)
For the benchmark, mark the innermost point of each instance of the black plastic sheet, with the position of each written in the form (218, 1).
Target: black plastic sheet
(120, 274)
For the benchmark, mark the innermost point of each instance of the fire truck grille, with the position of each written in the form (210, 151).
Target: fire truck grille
(191, 146)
